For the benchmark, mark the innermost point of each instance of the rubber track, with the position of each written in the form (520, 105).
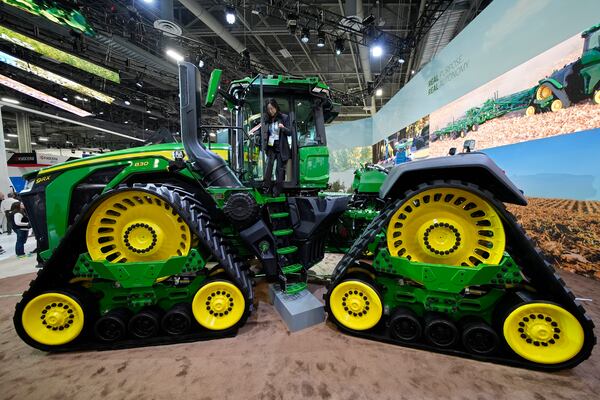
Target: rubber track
(56, 271)
(522, 249)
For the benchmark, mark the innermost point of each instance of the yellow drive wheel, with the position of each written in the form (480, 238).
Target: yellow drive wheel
(356, 305)
(133, 226)
(556, 105)
(543, 92)
(218, 305)
(597, 96)
(543, 333)
(446, 225)
(53, 318)
(529, 111)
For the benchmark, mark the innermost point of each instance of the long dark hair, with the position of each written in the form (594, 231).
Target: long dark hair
(275, 105)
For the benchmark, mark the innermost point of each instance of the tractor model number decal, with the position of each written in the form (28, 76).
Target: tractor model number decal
(141, 163)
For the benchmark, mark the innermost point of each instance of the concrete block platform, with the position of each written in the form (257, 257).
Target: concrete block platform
(298, 311)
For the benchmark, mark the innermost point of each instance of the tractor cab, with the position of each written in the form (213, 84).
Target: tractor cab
(307, 103)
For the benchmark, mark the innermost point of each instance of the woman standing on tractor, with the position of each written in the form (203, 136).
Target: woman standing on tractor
(276, 128)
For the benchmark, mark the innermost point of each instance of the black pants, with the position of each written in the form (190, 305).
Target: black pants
(272, 155)
(8, 222)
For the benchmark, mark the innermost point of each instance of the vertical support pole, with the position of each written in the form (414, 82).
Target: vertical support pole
(24, 132)
(4, 180)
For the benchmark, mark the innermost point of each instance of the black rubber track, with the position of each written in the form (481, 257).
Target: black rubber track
(538, 272)
(56, 272)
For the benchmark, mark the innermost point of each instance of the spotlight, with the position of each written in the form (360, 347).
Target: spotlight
(292, 23)
(379, 92)
(377, 50)
(339, 46)
(174, 55)
(320, 39)
(148, 1)
(65, 98)
(230, 15)
(401, 60)
(12, 135)
(43, 139)
(305, 35)
(412, 72)
(200, 64)
(127, 102)
(139, 82)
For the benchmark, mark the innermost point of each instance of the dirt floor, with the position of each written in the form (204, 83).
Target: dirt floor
(516, 127)
(265, 361)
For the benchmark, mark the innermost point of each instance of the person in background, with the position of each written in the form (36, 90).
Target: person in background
(278, 148)
(2, 215)
(5, 208)
(21, 227)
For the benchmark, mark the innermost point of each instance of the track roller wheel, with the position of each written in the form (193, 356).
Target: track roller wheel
(543, 332)
(218, 305)
(440, 331)
(556, 105)
(529, 111)
(446, 225)
(356, 304)
(112, 326)
(144, 324)
(53, 318)
(543, 92)
(177, 320)
(479, 338)
(405, 325)
(596, 97)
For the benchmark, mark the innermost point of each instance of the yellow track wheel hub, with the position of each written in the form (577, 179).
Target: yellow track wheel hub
(53, 319)
(556, 105)
(135, 226)
(529, 111)
(543, 92)
(446, 226)
(218, 305)
(356, 305)
(543, 333)
(597, 96)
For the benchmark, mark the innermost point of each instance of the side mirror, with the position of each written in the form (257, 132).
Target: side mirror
(469, 146)
(213, 87)
(452, 151)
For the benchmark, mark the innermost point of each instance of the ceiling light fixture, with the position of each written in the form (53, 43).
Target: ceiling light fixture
(305, 35)
(401, 60)
(12, 135)
(43, 139)
(379, 92)
(174, 55)
(292, 23)
(230, 15)
(339, 46)
(127, 102)
(377, 50)
(320, 39)
(9, 100)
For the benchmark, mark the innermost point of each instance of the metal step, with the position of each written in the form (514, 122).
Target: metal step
(280, 199)
(280, 215)
(287, 250)
(283, 232)
(290, 269)
(294, 288)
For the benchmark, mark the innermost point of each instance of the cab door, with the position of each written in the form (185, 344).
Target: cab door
(313, 155)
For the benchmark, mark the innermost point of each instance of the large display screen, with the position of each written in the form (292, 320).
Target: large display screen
(52, 77)
(29, 91)
(61, 56)
(57, 13)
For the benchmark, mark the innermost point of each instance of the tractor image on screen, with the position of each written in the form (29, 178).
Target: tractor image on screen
(574, 82)
(154, 244)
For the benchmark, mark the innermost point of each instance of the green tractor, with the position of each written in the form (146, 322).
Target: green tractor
(154, 244)
(574, 82)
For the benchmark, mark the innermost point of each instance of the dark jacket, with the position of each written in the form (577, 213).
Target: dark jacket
(284, 133)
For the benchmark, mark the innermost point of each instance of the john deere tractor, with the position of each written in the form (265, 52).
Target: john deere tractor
(574, 82)
(154, 244)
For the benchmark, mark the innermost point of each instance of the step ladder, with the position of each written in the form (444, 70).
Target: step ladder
(292, 273)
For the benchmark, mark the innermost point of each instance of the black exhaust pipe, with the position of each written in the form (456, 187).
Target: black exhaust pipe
(212, 168)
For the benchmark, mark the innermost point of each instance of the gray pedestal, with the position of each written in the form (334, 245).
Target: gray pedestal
(299, 310)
